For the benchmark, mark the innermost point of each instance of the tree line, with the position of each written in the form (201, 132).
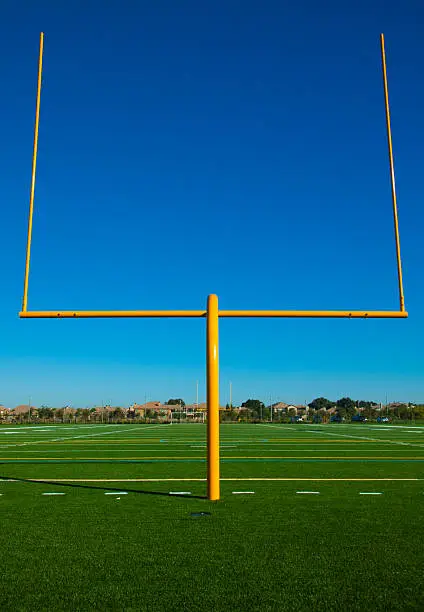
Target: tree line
(319, 409)
(346, 408)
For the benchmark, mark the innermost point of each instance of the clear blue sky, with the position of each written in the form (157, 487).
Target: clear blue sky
(188, 148)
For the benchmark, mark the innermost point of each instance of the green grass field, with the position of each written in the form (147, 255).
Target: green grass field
(308, 536)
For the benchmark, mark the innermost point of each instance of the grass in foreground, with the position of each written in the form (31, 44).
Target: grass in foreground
(273, 550)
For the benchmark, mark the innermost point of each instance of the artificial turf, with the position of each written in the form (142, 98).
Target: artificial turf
(275, 549)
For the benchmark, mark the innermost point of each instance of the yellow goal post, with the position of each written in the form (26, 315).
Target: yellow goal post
(211, 313)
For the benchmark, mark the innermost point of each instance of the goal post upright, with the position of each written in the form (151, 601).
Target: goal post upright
(392, 173)
(212, 312)
(33, 173)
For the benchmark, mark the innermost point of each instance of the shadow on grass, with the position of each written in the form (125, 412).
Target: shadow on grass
(87, 486)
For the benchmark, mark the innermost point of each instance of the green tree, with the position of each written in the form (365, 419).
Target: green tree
(321, 403)
(325, 417)
(176, 402)
(228, 415)
(255, 406)
(370, 412)
(418, 411)
(402, 411)
(85, 413)
(118, 413)
(346, 407)
(44, 412)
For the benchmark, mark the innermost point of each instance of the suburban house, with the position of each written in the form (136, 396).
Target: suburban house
(4, 412)
(283, 408)
(140, 410)
(24, 409)
(394, 405)
(68, 412)
(373, 407)
(106, 410)
(279, 407)
(331, 410)
(200, 407)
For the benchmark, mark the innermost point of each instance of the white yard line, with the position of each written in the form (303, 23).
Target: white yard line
(53, 493)
(396, 442)
(341, 435)
(397, 427)
(362, 426)
(44, 428)
(90, 435)
(222, 480)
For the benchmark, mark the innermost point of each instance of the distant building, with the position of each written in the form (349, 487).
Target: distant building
(280, 407)
(24, 409)
(68, 411)
(194, 407)
(4, 412)
(201, 407)
(301, 409)
(283, 408)
(140, 410)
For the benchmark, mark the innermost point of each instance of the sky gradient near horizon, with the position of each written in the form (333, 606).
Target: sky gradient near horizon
(189, 148)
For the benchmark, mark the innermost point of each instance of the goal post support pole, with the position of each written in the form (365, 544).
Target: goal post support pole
(212, 386)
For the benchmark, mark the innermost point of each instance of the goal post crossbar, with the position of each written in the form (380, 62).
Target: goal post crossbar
(199, 314)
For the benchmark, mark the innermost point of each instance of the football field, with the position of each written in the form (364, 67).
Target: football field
(114, 517)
